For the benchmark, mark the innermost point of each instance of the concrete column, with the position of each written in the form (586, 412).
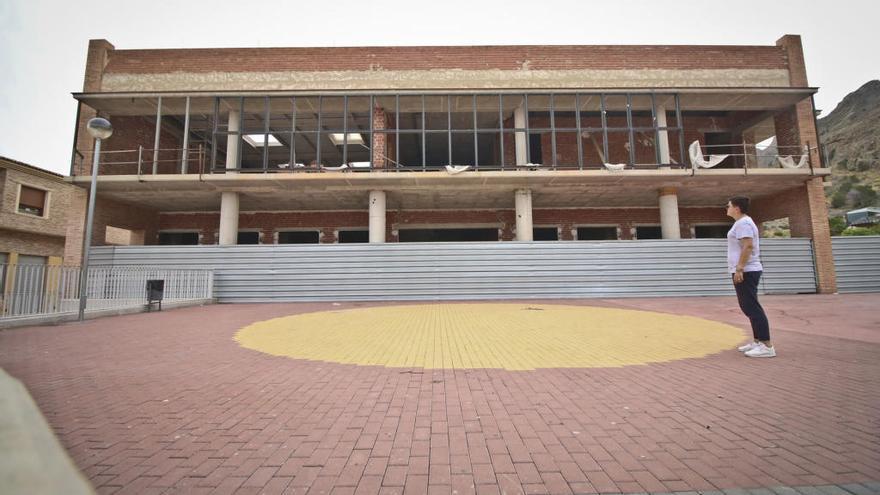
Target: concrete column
(229, 200)
(377, 217)
(228, 219)
(519, 121)
(669, 213)
(232, 140)
(523, 199)
(663, 143)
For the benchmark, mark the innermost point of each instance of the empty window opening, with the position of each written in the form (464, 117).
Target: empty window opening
(178, 238)
(298, 237)
(649, 232)
(354, 236)
(545, 234)
(448, 235)
(597, 233)
(711, 231)
(248, 238)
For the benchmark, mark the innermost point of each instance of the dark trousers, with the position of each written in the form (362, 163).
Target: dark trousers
(747, 296)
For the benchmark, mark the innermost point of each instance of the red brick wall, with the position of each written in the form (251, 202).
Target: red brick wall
(799, 123)
(96, 62)
(329, 222)
(380, 148)
(446, 57)
(107, 213)
(807, 217)
(128, 134)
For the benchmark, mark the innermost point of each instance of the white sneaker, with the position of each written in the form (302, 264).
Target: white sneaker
(762, 351)
(748, 347)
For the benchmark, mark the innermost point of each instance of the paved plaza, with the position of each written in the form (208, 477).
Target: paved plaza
(562, 396)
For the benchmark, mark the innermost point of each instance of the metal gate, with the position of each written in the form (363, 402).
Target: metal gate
(857, 263)
(473, 270)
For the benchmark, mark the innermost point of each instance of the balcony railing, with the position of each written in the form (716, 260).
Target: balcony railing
(145, 161)
(170, 161)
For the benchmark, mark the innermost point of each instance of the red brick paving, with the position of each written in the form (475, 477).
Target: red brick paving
(169, 403)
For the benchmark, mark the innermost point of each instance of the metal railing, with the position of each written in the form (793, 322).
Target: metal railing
(747, 155)
(173, 161)
(146, 161)
(44, 290)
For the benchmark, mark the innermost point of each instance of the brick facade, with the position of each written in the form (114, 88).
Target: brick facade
(29, 234)
(599, 57)
(209, 69)
(807, 215)
(143, 222)
(329, 223)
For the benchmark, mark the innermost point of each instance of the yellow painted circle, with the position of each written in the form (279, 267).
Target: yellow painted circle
(508, 336)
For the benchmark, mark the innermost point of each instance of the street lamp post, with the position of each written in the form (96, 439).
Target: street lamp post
(99, 129)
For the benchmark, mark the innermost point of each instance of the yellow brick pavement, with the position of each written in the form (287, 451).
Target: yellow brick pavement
(507, 336)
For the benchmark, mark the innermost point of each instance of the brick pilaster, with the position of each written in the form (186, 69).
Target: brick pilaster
(380, 139)
(807, 217)
(800, 119)
(98, 55)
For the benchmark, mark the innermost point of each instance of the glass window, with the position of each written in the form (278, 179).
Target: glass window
(332, 113)
(509, 106)
(437, 149)
(307, 113)
(566, 150)
(410, 113)
(489, 150)
(539, 111)
(590, 109)
(358, 116)
(487, 112)
(592, 143)
(616, 112)
(436, 108)
(462, 112)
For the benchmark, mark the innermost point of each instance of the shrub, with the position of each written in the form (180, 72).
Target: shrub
(837, 225)
(858, 231)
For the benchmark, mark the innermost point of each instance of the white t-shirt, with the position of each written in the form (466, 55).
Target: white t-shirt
(742, 228)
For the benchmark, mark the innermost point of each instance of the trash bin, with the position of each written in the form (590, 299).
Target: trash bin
(155, 293)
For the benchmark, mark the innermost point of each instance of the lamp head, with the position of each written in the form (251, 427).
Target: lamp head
(99, 128)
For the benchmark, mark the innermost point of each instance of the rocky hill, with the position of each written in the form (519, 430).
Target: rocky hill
(851, 136)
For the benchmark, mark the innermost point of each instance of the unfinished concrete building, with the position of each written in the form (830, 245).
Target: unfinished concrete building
(487, 145)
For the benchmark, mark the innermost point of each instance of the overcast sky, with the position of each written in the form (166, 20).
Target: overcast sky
(43, 43)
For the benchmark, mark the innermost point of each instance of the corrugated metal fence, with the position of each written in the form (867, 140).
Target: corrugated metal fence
(473, 270)
(857, 263)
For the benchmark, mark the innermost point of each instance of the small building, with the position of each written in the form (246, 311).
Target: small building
(863, 217)
(34, 215)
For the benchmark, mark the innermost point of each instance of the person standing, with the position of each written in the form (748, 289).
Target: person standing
(744, 264)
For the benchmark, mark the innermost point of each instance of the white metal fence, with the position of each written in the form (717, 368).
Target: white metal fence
(42, 290)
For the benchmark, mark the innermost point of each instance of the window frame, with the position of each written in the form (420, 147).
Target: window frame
(46, 201)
